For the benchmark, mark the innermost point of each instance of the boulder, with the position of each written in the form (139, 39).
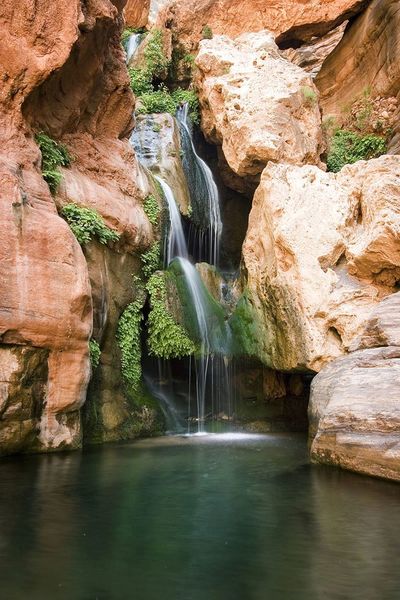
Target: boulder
(354, 413)
(311, 258)
(258, 106)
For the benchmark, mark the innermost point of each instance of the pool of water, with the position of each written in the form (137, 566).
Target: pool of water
(214, 517)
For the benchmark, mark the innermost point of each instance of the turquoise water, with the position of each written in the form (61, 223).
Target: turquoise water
(216, 517)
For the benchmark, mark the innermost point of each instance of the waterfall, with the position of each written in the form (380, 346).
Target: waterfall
(203, 190)
(175, 243)
(211, 367)
(132, 46)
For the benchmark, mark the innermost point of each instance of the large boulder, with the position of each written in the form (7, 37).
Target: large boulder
(258, 106)
(354, 413)
(321, 251)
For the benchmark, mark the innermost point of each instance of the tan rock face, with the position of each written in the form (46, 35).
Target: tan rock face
(256, 105)
(354, 413)
(368, 57)
(311, 257)
(137, 13)
(295, 20)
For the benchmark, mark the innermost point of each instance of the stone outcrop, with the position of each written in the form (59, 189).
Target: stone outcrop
(156, 139)
(320, 252)
(65, 77)
(256, 105)
(137, 13)
(291, 22)
(354, 413)
(367, 58)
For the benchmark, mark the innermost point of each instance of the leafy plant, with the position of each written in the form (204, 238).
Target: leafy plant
(166, 338)
(151, 260)
(207, 33)
(181, 96)
(309, 95)
(95, 352)
(347, 147)
(54, 155)
(86, 223)
(152, 209)
(140, 81)
(159, 101)
(128, 337)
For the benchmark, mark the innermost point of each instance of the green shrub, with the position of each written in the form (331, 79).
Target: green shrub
(128, 337)
(152, 209)
(207, 33)
(86, 223)
(159, 101)
(54, 155)
(309, 95)
(166, 339)
(347, 147)
(151, 260)
(189, 96)
(95, 352)
(156, 61)
(140, 81)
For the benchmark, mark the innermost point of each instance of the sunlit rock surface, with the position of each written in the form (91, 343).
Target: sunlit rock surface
(258, 106)
(137, 13)
(317, 257)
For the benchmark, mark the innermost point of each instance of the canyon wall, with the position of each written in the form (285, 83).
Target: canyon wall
(72, 84)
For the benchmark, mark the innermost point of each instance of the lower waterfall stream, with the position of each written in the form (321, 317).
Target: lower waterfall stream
(211, 369)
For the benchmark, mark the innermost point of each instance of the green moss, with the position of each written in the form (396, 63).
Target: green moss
(152, 209)
(86, 224)
(128, 336)
(54, 155)
(207, 33)
(245, 328)
(309, 95)
(95, 353)
(151, 260)
(347, 147)
(166, 339)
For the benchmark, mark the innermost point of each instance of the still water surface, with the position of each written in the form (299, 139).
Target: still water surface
(213, 518)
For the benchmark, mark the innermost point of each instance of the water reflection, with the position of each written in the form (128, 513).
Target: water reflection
(196, 518)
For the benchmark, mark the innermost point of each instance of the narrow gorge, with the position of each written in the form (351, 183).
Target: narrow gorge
(200, 275)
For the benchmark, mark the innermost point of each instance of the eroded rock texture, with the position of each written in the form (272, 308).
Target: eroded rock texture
(321, 250)
(137, 13)
(291, 22)
(65, 76)
(256, 105)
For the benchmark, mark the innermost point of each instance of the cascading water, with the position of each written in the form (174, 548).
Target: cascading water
(175, 244)
(211, 368)
(132, 45)
(203, 191)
